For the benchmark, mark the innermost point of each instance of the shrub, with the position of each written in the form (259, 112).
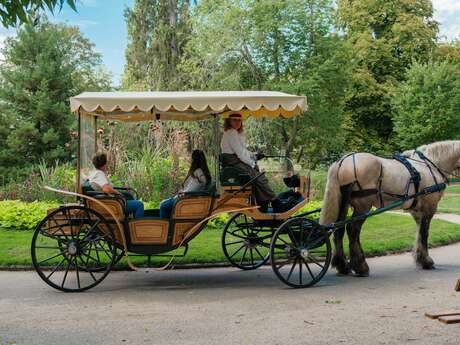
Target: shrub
(22, 216)
(60, 176)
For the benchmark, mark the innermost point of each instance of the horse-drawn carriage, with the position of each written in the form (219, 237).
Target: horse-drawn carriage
(77, 245)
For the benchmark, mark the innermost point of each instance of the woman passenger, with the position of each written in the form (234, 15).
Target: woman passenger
(198, 178)
(236, 154)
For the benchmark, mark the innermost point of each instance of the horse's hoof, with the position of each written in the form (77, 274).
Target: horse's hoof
(342, 274)
(426, 264)
(361, 274)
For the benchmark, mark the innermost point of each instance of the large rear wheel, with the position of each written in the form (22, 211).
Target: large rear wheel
(246, 244)
(300, 252)
(73, 248)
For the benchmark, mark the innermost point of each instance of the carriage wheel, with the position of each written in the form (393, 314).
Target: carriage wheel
(300, 252)
(246, 245)
(73, 248)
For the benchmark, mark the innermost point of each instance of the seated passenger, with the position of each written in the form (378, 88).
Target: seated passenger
(197, 179)
(99, 181)
(236, 154)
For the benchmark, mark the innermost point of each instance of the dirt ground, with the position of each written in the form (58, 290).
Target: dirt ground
(228, 306)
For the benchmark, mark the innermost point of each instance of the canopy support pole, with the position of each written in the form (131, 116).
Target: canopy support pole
(217, 151)
(78, 153)
(95, 133)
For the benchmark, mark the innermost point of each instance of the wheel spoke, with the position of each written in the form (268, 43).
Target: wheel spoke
(237, 251)
(252, 256)
(89, 271)
(52, 257)
(77, 273)
(55, 268)
(292, 269)
(66, 272)
(309, 270)
(300, 271)
(244, 254)
(230, 243)
(257, 250)
(315, 262)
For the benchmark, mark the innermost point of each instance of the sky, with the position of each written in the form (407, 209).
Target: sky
(102, 21)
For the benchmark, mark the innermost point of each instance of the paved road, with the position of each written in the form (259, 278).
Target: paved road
(227, 306)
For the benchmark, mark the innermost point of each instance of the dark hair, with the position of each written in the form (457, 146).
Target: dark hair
(228, 125)
(199, 162)
(99, 160)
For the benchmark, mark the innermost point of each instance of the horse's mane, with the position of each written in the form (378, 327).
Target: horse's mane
(439, 150)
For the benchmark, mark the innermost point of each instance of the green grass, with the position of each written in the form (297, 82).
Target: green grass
(450, 202)
(381, 234)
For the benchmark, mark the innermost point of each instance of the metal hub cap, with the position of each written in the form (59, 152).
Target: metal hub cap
(304, 253)
(72, 248)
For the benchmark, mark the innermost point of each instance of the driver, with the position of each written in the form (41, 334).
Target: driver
(236, 154)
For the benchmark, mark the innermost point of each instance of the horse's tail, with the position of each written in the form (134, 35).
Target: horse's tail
(335, 204)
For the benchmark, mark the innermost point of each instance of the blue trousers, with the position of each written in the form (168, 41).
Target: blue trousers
(135, 207)
(166, 207)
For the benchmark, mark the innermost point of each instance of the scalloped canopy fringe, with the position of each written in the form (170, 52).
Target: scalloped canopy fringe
(186, 106)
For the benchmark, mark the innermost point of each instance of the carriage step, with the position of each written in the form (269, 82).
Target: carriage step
(447, 317)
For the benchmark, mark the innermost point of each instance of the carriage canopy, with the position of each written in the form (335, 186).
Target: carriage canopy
(186, 106)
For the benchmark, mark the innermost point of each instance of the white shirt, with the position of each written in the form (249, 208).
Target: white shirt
(97, 179)
(235, 143)
(195, 182)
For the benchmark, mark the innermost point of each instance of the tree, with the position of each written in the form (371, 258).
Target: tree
(386, 37)
(44, 65)
(276, 45)
(427, 105)
(157, 33)
(13, 12)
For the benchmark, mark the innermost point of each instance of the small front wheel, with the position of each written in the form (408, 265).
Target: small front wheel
(300, 252)
(245, 244)
(73, 248)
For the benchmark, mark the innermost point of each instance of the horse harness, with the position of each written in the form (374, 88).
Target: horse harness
(414, 179)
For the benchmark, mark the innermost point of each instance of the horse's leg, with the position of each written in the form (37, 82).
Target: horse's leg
(357, 259)
(339, 261)
(422, 259)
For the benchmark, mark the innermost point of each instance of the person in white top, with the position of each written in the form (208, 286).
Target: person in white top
(235, 153)
(99, 181)
(198, 178)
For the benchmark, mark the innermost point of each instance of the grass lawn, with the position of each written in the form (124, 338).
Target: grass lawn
(381, 234)
(450, 203)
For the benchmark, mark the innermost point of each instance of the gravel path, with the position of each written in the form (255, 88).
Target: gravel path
(228, 306)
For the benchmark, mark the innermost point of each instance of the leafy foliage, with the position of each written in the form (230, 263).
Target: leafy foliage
(22, 216)
(157, 33)
(44, 66)
(13, 12)
(427, 105)
(386, 36)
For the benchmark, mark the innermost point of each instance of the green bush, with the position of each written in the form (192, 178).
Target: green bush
(22, 216)
(60, 176)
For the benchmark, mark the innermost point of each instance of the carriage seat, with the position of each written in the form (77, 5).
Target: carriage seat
(116, 204)
(231, 176)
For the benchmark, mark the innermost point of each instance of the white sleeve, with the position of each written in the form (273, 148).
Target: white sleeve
(100, 179)
(240, 150)
(199, 174)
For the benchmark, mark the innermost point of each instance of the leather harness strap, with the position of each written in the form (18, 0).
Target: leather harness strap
(415, 177)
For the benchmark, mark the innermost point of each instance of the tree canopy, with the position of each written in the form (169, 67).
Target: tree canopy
(13, 12)
(44, 65)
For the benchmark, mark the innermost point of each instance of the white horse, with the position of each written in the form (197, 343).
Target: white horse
(358, 180)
